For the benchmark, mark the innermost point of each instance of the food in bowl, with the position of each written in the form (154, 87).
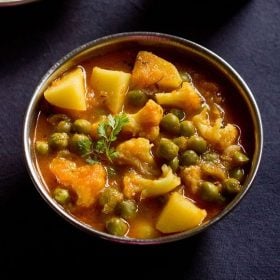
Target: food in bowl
(141, 143)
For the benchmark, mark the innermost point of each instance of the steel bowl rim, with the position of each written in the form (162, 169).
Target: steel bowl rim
(140, 35)
(13, 3)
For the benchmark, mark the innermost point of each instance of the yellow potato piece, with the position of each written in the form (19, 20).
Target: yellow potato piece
(149, 69)
(112, 86)
(179, 214)
(68, 92)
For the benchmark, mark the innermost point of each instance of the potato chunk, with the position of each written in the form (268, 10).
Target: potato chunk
(150, 70)
(179, 214)
(136, 153)
(145, 123)
(68, 92)
(186, 98)
(112, 86)
(87, 181)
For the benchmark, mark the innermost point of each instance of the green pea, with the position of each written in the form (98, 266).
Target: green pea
(197, 143)
(81, 126)
(174, 164)
(64, 154)
(170, 123)
(210, 156)
(237, 173)
(109, 199)
(180, 114)
(127, 209)
(239, 158)
(42, 147)
(186, 77)
(81, 144)
(187, 128)
(167, 149)
(136, 98)
(63, 126)
(210, 192)
(116, 226)
(181, 142)
(189, 157)
(231, 187)
(61, 195)
(56, 118)
(58, 140)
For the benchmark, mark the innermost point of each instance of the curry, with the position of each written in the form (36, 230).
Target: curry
(141, 144)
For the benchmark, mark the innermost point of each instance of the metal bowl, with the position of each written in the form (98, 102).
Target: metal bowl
(144, 40)
(8, 3)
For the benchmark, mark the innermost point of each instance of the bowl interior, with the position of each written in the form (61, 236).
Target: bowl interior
(167, 44)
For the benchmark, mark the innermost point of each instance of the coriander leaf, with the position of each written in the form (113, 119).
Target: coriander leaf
(107, 132)
(101, 130)
(113, 154)
(100, 146)
(121, 120)
(91, 160)
(111, 171)
(111, 121)
(84, 147)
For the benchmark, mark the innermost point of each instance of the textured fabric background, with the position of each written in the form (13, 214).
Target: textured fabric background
(244, 245)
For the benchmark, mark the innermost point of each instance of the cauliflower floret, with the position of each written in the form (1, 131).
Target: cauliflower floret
(145, 123)
(229, 152)
(191, 177)
(130, 184)
(134, 183)
(187, 98)
(217, 135)
(214, 170)
(136, 153)
(228, 155)
(87, 181)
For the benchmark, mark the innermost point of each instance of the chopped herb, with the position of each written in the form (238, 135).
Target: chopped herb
(91, 160)
(84, 147)
(81, 144)
(107, 132)
(111, 171)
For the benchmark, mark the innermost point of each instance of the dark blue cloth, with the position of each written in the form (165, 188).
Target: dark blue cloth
(244, 245)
